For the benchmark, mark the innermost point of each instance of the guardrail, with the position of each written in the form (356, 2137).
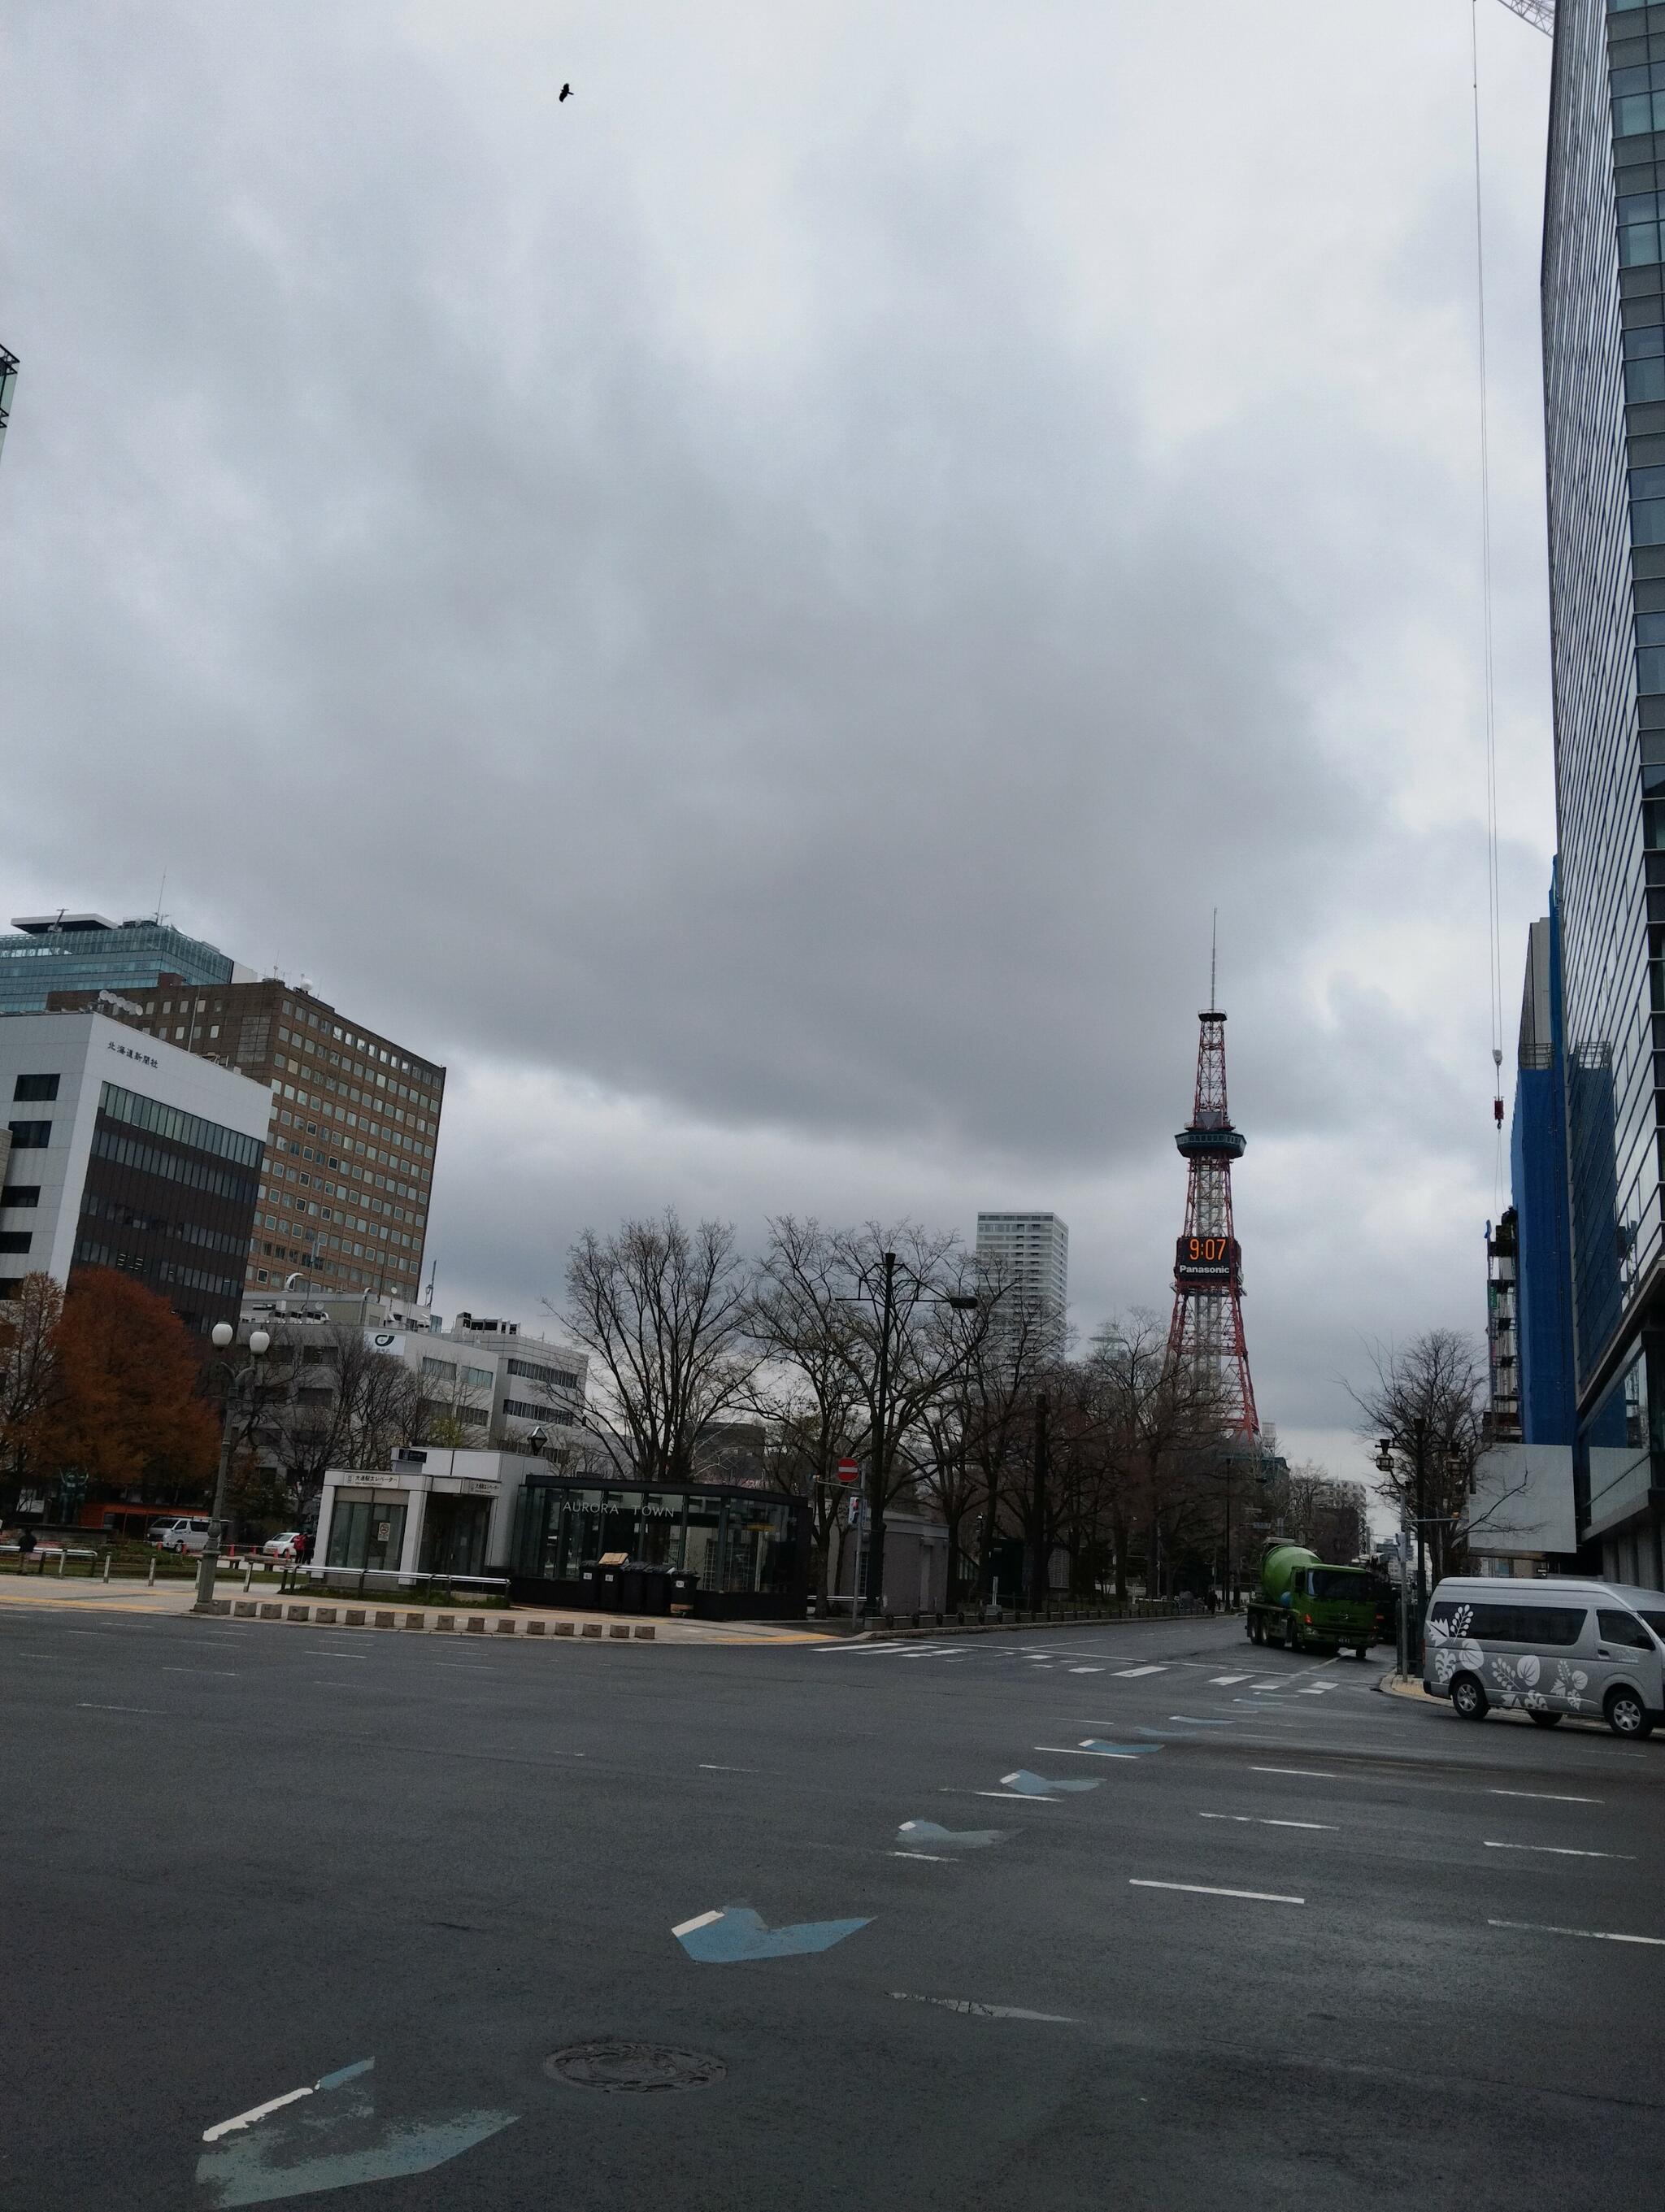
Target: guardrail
(361, 1579)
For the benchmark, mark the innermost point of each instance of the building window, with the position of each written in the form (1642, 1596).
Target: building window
(15, 1240)
(31, 1136)
(41, 1087)
(20, 1194)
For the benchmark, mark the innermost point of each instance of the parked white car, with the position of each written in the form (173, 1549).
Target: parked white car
(281, 1547)
(1549, 1649)
(189, 1533)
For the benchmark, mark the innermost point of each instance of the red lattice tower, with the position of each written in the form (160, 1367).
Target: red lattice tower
(1207, 1330)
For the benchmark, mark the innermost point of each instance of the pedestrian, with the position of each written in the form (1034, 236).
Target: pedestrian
(301, 1549)
(25, 1546)
(1211, 1600)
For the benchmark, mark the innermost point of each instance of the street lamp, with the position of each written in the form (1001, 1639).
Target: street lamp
(259, 1345)
(960, 1302)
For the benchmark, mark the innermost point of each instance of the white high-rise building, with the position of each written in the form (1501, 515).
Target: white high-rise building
(1032, 1252)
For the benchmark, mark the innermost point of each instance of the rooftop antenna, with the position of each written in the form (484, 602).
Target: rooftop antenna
(1213, 957)
(432, 1272)
(161, 893)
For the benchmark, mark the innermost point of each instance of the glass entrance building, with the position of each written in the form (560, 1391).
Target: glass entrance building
(746, 1551)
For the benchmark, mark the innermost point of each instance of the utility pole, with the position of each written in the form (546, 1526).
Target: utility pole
(876, 1468)
(1419, 1438)
(1231, 1582)
(1040, 1549)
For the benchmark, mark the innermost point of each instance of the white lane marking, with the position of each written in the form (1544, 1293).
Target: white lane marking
(1316, 1689)
(1559, 1851)
(230, 1671)
(258, 2112)
(707, 1767)
(1086, 1670)
(155, 1711)
(1259, 1820)
(936, 1859)
(702, 1920)
(975, 2011)
(1592, 1934)
(1075, 1751)
(1547, 1797)
(1311, 1773)
(1223, 1681)
(1011, 1796)
(1131, 1674)
(1201, 1889)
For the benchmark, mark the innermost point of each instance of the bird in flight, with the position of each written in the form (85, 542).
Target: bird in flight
(566, 94)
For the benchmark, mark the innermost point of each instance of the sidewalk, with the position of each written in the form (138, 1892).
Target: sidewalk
(175, 1600)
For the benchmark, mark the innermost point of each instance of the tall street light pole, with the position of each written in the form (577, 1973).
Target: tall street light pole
(1040, 1549)
(259, 1345)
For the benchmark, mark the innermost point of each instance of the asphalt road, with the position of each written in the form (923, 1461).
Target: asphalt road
(1306, 1943)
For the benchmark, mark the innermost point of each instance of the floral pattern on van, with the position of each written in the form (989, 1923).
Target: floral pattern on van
(1570, 1683)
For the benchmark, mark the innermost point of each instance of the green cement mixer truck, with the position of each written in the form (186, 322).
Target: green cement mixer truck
(1303, 1605)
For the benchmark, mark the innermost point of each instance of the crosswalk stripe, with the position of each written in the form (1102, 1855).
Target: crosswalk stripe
(1129, 1673)
(1224, 1679)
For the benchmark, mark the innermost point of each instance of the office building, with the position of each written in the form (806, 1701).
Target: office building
(1503, 1418)
(354, 1121)
(1604, 302)
(125, 1153)
(84, 952)
(478, 1382)
(1538, 1179)
(1030, 1252)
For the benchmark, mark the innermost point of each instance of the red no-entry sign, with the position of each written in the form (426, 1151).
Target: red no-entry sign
(848, 1470)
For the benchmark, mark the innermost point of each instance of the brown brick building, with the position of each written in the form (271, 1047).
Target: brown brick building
(355, 1126)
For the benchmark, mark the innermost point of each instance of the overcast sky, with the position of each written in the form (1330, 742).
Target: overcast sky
(754, 613)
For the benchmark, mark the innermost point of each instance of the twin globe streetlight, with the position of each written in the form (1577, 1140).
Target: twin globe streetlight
(259, 1345)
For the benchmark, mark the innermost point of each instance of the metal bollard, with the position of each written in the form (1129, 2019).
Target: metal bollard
(248, 1572)
(61, 1557)
(106, 1566)
(151, 1577)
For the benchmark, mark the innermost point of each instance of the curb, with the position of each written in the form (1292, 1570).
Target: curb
(1408, 1687)
(1023, 1627)
(335, 1616)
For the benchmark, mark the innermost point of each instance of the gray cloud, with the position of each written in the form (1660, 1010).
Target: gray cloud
(761, 611)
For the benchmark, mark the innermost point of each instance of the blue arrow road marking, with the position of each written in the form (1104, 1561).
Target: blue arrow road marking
(715, 1939)
(970, 1840)
(1023, 1784)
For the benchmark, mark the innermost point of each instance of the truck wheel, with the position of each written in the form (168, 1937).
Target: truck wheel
(1291, 1642)
(1469, 1698)
(1627, 1715)
(1361, 1650)
(1251, 1628)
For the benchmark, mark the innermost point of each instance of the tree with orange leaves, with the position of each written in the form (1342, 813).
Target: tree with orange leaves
(129, 1410)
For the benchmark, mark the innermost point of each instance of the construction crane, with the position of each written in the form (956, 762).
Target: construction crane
(1540, 12)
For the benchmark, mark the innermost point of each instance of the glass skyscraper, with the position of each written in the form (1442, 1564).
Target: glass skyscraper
(1604, 383)
(85, 952)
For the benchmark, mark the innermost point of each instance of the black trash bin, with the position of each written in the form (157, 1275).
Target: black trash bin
(656, 1590)
(601, 1588)
(683, 1585)
(630, 1581)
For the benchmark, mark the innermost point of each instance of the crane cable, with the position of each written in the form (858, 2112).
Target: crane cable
(1493, 902)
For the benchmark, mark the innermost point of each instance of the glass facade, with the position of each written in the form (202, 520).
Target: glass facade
(1604, 392)
(129, 957)
(745, 1545)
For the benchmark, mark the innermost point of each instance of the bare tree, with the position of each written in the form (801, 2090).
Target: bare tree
(663, 1312)
(806, 1386)
(1425, 1399)
(1167, 1433)
(903, 1351)
(326, 1399)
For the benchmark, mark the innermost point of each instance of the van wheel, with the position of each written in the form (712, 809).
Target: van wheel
(1627, 1715)
(1469, 1698)
(1545, 1720)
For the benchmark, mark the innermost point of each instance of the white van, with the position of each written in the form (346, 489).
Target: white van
(187, 1534)
(1551, 1648)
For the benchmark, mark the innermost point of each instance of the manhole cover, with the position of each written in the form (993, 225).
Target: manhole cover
(635, 2066)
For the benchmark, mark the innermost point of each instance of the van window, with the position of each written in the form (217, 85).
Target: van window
(1544, 1625)
(1625, 1629)
(1656, 1622)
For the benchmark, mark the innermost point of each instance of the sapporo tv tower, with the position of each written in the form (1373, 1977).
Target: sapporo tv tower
(1207, 1331)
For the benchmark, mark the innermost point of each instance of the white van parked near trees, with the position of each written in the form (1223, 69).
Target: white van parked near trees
(1550, 1648)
